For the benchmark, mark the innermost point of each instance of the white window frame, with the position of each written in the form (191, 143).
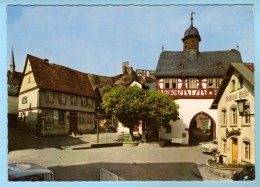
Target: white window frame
(192, 83)
(61, 117)
(73, 100)
(49, 116)
(49, 96)
(62, 98)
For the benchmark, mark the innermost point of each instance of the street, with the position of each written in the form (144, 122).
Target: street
(71, 159)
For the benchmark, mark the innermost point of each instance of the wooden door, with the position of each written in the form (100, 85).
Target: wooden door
(234, 150)
(73, 122)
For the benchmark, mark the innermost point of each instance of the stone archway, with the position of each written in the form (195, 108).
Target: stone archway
(202, 128)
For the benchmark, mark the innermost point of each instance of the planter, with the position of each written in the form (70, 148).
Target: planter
(222, 170)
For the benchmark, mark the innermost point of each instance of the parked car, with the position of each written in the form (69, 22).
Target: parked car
(210, 147)
(246, 174)
(29, 172)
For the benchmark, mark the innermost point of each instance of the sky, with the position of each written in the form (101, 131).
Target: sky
(97, 39)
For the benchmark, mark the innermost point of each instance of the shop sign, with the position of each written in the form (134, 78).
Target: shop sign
(241, 94)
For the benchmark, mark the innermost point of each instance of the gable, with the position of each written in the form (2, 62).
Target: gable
(28, 81)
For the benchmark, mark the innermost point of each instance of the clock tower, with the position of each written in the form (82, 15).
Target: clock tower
(191, 39)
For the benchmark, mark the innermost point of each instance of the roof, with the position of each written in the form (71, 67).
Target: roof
(59, 78)
(16, 170)
(205, 64)
(192, 31)
(14, 82)
(243, 69)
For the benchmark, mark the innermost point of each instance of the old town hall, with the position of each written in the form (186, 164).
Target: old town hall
(192, 78)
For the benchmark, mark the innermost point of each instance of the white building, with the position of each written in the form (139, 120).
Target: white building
(236, 125)
(192, 78)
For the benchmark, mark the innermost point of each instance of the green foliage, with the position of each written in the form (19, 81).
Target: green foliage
(105, 89)
(129, 105)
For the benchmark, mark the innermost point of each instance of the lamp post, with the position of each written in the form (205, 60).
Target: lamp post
(97, 111)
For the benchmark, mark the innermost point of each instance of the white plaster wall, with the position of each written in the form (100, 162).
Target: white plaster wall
(188, 109)
(247, 131)
(12, 105)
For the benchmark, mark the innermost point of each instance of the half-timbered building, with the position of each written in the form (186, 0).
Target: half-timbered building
(192, 78)
(55, 100)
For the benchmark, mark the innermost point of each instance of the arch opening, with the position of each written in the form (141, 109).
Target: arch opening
(202, 129)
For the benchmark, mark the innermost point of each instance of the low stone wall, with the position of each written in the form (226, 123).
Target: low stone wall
(222, 171)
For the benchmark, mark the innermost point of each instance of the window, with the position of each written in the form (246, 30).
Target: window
(218, 83)
(24, 100)
(170, 83)
(62, 98)
(90, 119)
(168, 128)
(224, 117)
(29, 79)
(49, 116)
(232, 85)
(186, 44)
(234, 116)
(219, 65)
(224, 146)
(73, 100)
(247, 150)
(193, 43)
(210, 83)
(247, 114)
(82, 118)
(49, 97)
(83, 101)
(240, 80)
(167, 84)
(181, 66)
(90, 102)
(192, 83)
(174, 83)
(61, 117)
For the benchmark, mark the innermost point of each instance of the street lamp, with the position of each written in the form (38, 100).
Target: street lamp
(97, 111)
(241, 106)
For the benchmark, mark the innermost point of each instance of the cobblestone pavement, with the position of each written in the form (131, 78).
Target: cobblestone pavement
(145, 162)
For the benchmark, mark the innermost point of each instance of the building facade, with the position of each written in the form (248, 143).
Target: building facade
(55, 100)
(192, 78)
(236, 125)
(14, 80)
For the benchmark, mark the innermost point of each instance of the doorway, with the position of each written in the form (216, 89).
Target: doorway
(73, 123)
(234, 150)
(202, 129)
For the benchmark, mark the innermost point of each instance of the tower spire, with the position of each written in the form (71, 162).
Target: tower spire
(191, 18)
(12, 62)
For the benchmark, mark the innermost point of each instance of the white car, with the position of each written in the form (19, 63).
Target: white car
(28, 172)
(210, 147)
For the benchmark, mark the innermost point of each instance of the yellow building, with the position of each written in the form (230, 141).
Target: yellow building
(236, 115)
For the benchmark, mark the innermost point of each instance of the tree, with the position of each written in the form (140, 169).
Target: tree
(159, 110)
(125, 105)
(129, 105)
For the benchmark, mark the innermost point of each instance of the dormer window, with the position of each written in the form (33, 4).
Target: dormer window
(181, 66)
(219, 66)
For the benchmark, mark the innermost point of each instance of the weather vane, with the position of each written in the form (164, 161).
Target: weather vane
(191, 18)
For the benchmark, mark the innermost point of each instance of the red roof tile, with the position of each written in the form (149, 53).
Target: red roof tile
(59, 78)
